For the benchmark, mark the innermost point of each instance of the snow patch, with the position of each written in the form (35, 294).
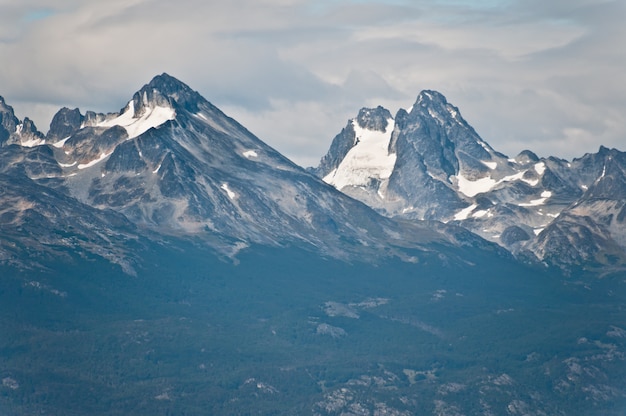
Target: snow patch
(538, 231)
(250, 153)
(481, 213)
(153, 117)
(230, 193)
(368, 159)
(490, 165)
(464, 213)
(93, 162)
(520, 177)
(536, 202)
(473, 188)
(531, 182)
(157, 169)
(61, 142)
(540, 168)
(67, 165)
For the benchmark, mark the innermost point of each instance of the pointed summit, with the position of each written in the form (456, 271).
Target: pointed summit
(166, 91)
(168, 85)
(435, 105)
(430, 96)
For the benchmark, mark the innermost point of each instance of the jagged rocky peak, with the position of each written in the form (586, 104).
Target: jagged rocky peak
(28, 127)
(14, 131)
(8, 121)
(435, 132)
(64, 123)
(27, 134)
(435, 119)
(376, 119)
(427, 97)
(605, 151)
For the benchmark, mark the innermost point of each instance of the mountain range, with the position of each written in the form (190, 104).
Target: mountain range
(162, 259)
(170, 163)
(429, 163)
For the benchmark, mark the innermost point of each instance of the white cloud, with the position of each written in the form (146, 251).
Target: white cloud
(544, 75)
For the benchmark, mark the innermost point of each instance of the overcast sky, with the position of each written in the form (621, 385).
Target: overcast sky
(549, 76)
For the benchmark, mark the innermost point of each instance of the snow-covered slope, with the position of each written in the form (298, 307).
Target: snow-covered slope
(368, 159)
(137, 124)
(360, 157)
(437, 167)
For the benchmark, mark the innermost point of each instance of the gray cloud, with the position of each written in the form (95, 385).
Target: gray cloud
(527, 74)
